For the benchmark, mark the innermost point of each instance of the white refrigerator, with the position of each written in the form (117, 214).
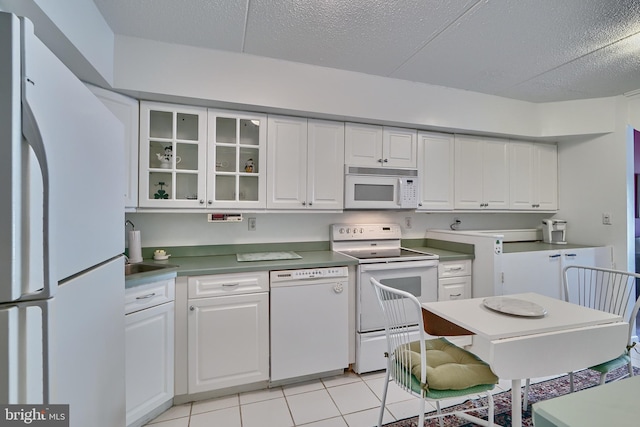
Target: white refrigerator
(61, 237)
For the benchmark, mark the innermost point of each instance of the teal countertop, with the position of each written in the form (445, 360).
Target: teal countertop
(204, 260)
(538, 246)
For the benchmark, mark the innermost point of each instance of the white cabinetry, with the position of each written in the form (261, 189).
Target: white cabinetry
(126, 110)
(436, 166)
(454, 282)
(481, 173)
(376, 146)
(149, 349)
(533, 176)
(197, 158)
(236, 160)
(306, 164)
(541, 271)
(172, 155)
(228, 330)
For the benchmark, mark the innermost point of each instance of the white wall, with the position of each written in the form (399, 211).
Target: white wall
(158, 230)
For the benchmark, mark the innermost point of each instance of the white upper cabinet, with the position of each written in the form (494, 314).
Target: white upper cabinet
(378, 146)
(236, 160)
(533, 176)
(172, 156)
(197, 158)
(481, 173)
(306, 164)
(436, 166)
(127, 111)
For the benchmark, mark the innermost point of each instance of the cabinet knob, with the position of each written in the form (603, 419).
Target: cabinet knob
(380, 160)
(386, 160)
(192, 308)
(310, 203)
(210, 202)
(304, 203)
(201, 202)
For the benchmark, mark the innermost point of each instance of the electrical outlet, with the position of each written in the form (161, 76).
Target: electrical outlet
(407, 222)
(606, 218)
(251, 224)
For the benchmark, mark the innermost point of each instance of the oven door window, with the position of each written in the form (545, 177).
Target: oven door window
(413, 284)
(422, 282)
(374, 192)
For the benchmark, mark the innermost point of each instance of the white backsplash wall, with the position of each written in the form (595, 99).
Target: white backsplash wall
(186, 229)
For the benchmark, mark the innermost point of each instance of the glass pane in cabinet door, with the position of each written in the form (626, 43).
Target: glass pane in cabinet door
(187, 126)
(249, 160)
(225, 159)
(160, 185)
(225, 130)
(186, 186)
(160, 155)
(225, 187)
(187, 156)
(249, 132)
(161, 124)
(248, 188)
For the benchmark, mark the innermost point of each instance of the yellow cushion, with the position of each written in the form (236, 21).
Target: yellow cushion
(449, 367)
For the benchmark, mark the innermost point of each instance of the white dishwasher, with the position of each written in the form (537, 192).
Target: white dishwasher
(309, 322)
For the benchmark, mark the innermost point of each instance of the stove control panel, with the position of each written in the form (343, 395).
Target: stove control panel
(308, 273)
(341, 232)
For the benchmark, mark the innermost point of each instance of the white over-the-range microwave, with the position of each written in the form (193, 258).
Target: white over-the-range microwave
(380, 188)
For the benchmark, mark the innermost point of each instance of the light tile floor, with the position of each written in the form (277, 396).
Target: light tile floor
(349, 400)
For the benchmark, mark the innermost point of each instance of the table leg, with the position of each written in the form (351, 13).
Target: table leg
(516, 403)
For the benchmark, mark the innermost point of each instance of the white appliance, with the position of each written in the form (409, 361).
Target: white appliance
(61, 237)
(380, 188)
(309, 322)
(377, 248)
(554, 231)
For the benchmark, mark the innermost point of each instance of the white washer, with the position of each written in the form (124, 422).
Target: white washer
(309, 322)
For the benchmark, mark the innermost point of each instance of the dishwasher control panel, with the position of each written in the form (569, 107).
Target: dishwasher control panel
(308, 273)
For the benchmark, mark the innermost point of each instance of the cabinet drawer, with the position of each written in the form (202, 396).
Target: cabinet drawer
(454, 268)
(228, 284)
(454, 288)
(148, 295)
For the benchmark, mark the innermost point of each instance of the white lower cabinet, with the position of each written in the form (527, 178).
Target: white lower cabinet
(228, 330)
(454, 282)
(149, 350)
(541, 271)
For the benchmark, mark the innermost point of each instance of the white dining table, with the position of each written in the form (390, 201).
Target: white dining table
(568, 337)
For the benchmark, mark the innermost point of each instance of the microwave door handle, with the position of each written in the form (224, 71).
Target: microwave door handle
(399, 202)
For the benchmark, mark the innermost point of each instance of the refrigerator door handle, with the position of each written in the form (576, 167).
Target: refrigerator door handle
(33, 136)
(34, 139)
(10, 318)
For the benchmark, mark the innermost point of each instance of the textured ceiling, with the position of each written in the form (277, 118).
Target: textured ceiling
(532, 50)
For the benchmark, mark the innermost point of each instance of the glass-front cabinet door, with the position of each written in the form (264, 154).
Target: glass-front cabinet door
(172, 156)
(236, 160)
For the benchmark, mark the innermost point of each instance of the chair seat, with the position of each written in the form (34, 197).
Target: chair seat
(610, 365)
(449, 368)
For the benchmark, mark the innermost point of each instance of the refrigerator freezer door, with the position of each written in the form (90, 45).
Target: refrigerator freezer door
(80, 150)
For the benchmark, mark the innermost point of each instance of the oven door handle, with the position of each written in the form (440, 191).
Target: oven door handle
(400, 264)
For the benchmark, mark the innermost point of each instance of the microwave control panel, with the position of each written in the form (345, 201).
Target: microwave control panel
(408, 188)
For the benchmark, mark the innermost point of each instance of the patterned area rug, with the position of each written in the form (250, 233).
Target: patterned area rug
(539, 391)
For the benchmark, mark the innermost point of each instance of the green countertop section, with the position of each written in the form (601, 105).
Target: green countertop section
(204, 260)
(218, 264)
(515, 247)
(138, 279)
(447, 251)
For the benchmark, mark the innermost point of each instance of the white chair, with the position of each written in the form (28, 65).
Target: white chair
(434, 369)
(607, 290)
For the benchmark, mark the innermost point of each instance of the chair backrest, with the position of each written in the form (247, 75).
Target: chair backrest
(400, 330)
(603, 289)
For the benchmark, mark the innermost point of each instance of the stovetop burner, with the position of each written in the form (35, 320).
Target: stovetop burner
(373, 243)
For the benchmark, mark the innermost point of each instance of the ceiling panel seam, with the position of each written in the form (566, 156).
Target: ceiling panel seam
(474, 6)
(246, 23)
(577, 58)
